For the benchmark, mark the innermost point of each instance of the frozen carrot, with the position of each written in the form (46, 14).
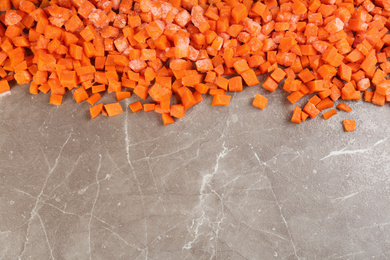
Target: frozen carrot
(167, 119)
(4, 86)
(296, 116)
(94, 98)
(121, 95)
(221, 100)
(113, 109)
(349, 125)
(136, 107)
(177, 111)
(311, 110)
(329, 114)
(330, 50)
(96, 110)
(260, 101)
(149, 107)
(55, 99)
(344, 107)
(270, 84)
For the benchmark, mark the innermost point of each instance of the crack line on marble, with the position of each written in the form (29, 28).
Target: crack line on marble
(93, 205)
(112, 159)
(127, 141)
(228, 246)
(375, 225)
(123, 240)
(205, 181)
(165, 232)
(344, 151)
(34, 211)
(216, 233)
(342, 198)
(167, 154)
(60, 210)
(47, 238)
(264, 231)
(279, 207)
(155, 185)
(348, 255)
(44, 122)
(184, 148)
(66, 177)
(107, 177)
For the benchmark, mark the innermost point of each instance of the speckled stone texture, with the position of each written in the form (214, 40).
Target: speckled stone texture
(230, 182)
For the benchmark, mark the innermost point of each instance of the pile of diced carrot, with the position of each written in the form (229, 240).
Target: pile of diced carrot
(175, 51)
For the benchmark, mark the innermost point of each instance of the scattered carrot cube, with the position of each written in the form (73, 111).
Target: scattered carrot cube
(260, 101)
(349, 125)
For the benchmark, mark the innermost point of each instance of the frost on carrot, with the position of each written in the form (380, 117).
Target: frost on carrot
(349, 125)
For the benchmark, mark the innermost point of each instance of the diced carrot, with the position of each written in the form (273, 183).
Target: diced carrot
(235, 84)
(4, 86)
(270, 84)
(325, 104)
(349, 125)
(167, 119)
(329, 48)
(250, 77)
(295, 96)
(222, 83)
(136, 107)
(260, 101)
(296, 116)
(344, 107)
(121, 95)
(55, 99)
(96, 110)
(149, 107)
(311, 110)
(221, 100)
(177, 111)
(113, 109)
(329, 113)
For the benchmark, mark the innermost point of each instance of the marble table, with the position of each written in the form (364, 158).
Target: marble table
(230, 182)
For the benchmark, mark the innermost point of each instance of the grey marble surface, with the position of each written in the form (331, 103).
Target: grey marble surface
(223, 183)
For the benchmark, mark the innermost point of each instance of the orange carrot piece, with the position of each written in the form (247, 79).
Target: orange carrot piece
(4, 86)
(250, 77)
(296, 116)
(80, 94)
(113, 109)
(167, 119)
(349, 125)
(329, 114)
(344, 107)
(278, 75)
(177, 111)
(121, 95)
(222, 83)
(94, 98)
(136, 107)
(311, 110)
(149, 107)
(221, 100)
(325, 104)
(96, 110)
(55, 99)
(295, 96)
(260, 101)
(270, 84)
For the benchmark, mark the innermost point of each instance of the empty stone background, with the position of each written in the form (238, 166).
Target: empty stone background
(229, 182)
